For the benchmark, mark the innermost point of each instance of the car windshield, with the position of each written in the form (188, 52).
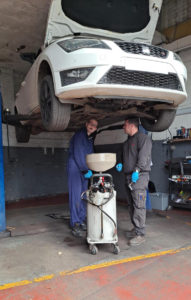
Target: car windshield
(121, 16)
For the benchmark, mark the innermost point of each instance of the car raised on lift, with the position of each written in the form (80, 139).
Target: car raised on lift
(97, 61)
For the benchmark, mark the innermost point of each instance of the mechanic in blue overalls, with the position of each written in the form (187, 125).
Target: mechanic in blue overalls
(81, 144)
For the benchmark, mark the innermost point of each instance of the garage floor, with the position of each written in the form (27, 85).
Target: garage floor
(43, 261)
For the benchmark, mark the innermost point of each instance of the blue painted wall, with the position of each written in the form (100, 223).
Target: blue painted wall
(30, 173)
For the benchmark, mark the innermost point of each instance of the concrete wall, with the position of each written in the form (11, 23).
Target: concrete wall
(174, 12)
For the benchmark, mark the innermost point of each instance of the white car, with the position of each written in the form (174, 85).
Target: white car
(97, 60)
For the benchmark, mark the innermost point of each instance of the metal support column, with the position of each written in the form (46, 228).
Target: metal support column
(2, 191)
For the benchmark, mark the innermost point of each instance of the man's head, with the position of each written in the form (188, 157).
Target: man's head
(91, 126)
(131, 125)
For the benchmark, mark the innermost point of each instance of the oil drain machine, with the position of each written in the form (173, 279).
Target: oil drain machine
(101, 203)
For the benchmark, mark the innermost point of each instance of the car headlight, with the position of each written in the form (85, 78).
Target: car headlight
(74, 75)
(177, 57)
(76, 44)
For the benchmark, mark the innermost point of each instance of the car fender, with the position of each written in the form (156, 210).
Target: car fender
(45, 58)
(27, 97)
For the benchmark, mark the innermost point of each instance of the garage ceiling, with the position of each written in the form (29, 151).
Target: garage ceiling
(22, 22)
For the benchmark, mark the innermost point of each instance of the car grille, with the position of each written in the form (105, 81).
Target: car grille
(143, 49)
(119, 75)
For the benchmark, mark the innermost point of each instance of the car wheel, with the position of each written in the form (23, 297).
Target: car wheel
(161, 123)
(22, 133)
(55, 115)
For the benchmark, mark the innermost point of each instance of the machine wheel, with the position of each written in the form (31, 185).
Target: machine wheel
(116, 249)
(93, 249)
(162, 121)
(22, 133)
(55, 115)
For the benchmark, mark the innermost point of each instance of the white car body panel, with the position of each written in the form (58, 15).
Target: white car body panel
(101, 61)
(58, 25)
(27, 97)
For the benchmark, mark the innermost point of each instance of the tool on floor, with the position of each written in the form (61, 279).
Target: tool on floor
(65, 216)
(101, 203)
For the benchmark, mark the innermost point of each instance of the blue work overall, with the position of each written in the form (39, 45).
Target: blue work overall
(80, 146)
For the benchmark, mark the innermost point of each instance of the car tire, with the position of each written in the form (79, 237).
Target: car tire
(163, 121)
(55, 115)
(22, 133)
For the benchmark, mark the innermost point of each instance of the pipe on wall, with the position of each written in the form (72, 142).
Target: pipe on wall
(2, 190)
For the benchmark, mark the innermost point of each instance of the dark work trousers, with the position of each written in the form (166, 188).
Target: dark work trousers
(137, 201)
(76, 185)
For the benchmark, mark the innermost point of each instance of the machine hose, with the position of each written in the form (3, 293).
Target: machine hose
(99, 206)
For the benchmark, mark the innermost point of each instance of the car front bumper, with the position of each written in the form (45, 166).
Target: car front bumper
(117, 74)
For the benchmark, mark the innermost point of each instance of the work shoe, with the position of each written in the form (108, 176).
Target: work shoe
(131, 233)
(137, 240)
(76, 231)
(83, 226)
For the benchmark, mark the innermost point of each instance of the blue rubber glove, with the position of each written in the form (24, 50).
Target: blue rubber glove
(119, 167)
(135, 176)
(88, 174)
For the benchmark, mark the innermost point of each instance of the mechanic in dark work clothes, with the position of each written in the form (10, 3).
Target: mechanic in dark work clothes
(136, 158)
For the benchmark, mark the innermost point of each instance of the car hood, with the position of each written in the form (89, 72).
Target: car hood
(128, 20)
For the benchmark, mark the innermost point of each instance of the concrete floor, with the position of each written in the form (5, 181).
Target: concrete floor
(42, 248)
